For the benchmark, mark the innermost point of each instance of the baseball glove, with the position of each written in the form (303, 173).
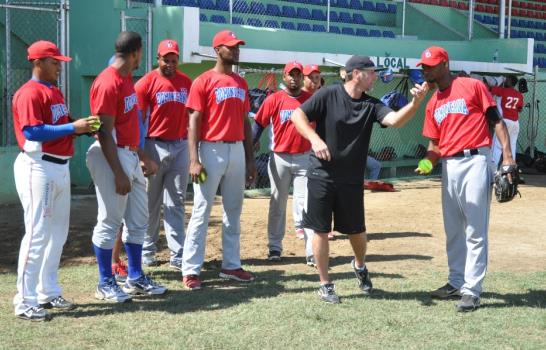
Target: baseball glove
(505, 190)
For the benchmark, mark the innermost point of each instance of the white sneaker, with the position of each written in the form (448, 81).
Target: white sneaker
(111, 292)
(143, 285)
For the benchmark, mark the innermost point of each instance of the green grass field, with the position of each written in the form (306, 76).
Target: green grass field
(280, 310)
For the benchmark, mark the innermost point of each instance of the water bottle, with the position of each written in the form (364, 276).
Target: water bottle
(496, 56)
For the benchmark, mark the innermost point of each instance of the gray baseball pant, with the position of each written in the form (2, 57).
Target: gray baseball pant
(167, 187)
(283, 169)
(225, 167)
(466, 202)
(114, 209)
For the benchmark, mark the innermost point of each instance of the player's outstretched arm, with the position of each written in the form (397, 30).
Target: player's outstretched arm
(304, 128)
(109, 149)
(194, 136)
(399, 118)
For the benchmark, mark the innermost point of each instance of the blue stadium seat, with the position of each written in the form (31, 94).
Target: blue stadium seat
(388, 34)
(334, 29)
(522, 34)
(368, 5)
(345, 17)
(257, 8)
(270, 23)
(341, 3)
(304, 27)
(288, 25)
(333, 16)
(318, 2)
(347, 31)
(289, 11)
(374, 33)
(241, 6)
(272, 10)
(355, 5)
(189, 3)
(202, 17)
(319, 28)
(358, 19)
(255, 22)
(237, 20)
(478, 18)
(318, 15)
(303, 13)
(540, 36)
(391, 8)
(514, 33)
(381, 7)
(207, 4)
(362, 32)
(222, 5)
(218, 19)
(531, 35)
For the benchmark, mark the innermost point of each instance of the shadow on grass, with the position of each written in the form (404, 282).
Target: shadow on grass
(422, 296)
(532, 298)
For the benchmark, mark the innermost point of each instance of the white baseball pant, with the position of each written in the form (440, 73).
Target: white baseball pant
(225, 167)
(44, 190)
(113, 209)
(283, 169)
(167, 187)
(466, 202)
(513, 132)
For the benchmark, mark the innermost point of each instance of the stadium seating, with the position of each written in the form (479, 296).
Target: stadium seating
(218, 19)
(304, 27)
(347, 31)
(319, 28)
(362, 32)
(255, 22)
(269, 23)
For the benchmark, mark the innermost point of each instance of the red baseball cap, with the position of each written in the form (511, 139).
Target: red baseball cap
(310, 68)
(433, 55)
(168, 46)
(43, 49)
(290, 66)
(227, 38)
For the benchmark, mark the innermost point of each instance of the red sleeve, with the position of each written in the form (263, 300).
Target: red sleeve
(263, 117)
(430, 128)
(141, 88)
(484, 96)
(495, 90)
(29, 107)
(197, 99)
(103, 98)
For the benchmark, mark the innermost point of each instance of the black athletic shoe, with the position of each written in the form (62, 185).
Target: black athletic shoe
(35, 314)
(363, 276)
(445, 292)
(327, 293)
(468, 303)
(274, 255)
(58, 303)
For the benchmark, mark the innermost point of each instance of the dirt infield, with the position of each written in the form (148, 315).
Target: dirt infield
(405, 231)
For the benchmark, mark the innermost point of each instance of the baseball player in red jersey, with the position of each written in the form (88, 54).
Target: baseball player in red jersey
(311, 78)
(44, 133)
(289, 160)
(220, 144)
(511, 102)
(114, 162)
(162, 95)
(457, 122)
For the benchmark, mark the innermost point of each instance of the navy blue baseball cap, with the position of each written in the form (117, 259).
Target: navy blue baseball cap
(362, 63)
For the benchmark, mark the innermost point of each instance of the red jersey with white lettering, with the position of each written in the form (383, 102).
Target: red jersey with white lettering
(456, 116)
(511, 101)
(277, 110)
(114, 95)
(166, 99)
(223, 101)
(37, 103)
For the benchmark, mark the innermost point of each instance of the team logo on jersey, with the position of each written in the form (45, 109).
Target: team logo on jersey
(57, 112)
(285, 115)
(130, 102)
(452, 107)
(224, 93)
(172, 96)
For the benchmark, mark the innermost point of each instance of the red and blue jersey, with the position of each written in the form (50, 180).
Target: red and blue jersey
(277, 110)
(38, 103)
(114, 95)
(165, 98)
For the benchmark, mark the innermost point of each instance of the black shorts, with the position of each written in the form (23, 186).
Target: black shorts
(344, 201)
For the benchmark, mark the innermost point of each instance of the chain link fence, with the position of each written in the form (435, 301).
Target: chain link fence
(140, 21)
(25, 22)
